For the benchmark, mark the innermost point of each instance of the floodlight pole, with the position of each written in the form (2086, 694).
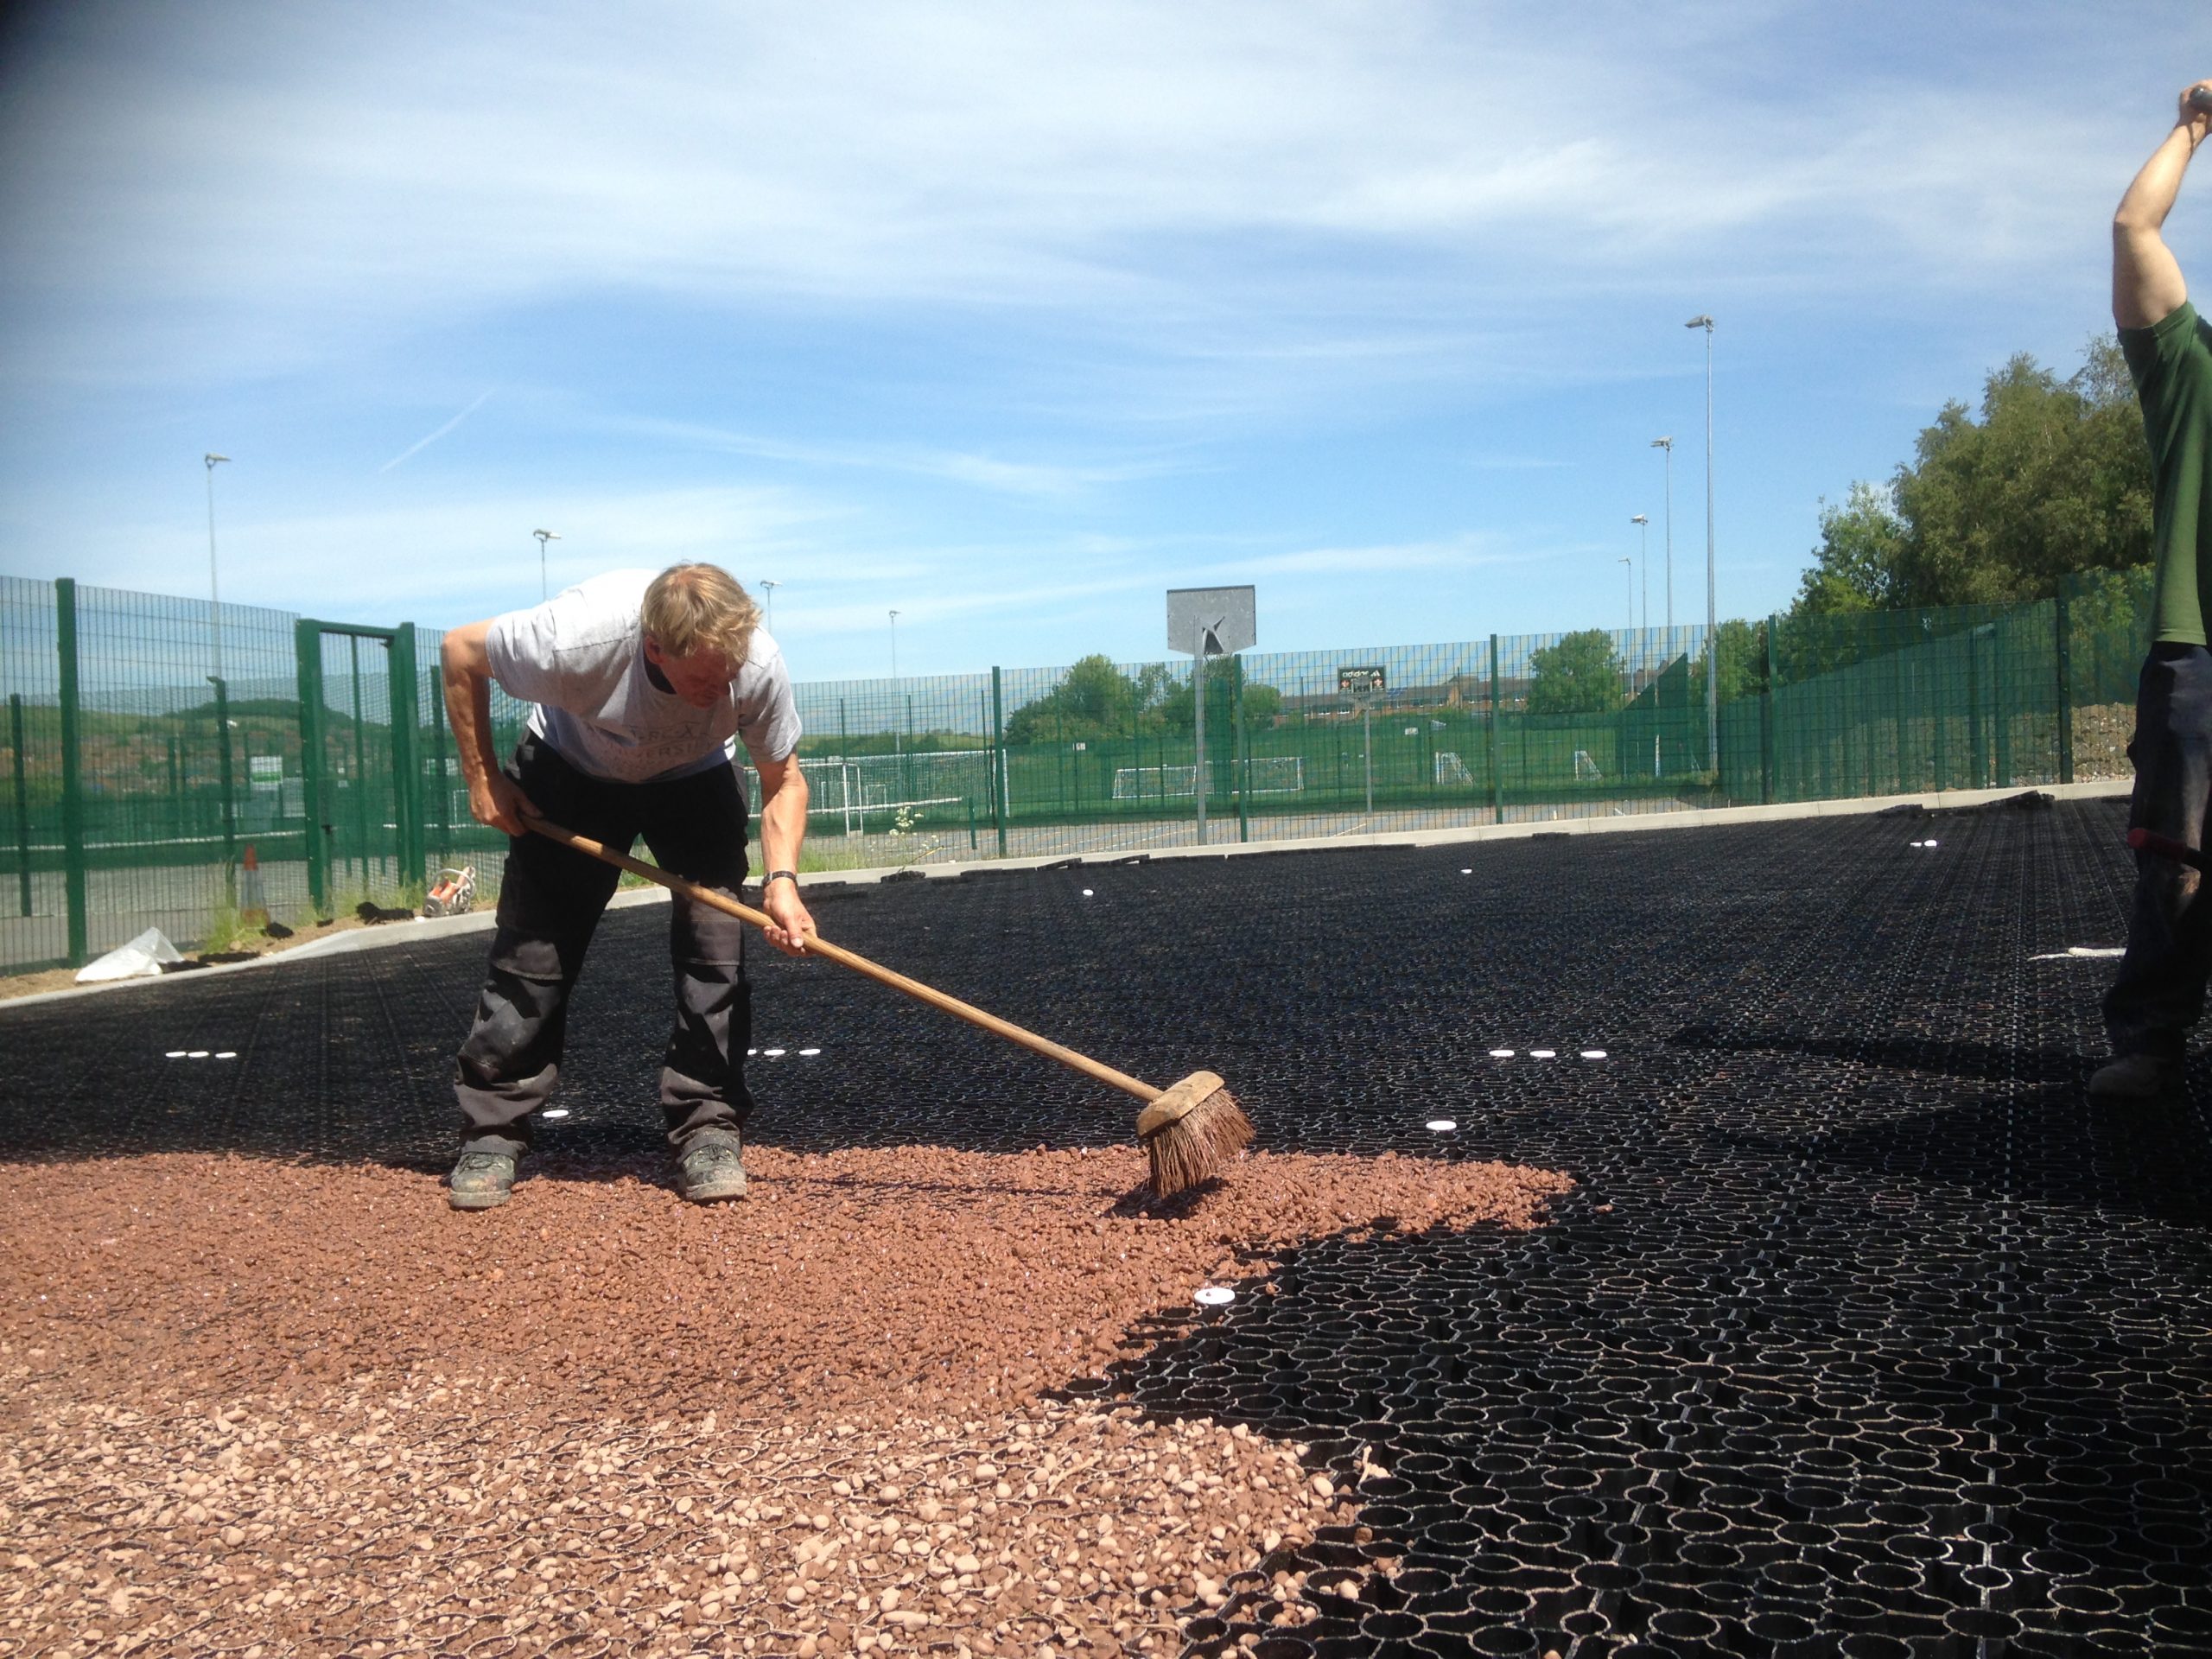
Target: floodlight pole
(544, 591)
(1667, 444)
(1643, 645)
(896, 746)
(1711, 631)
(214, 590)
(768, 605)
(1643, 526)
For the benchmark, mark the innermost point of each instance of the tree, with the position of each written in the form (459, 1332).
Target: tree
(1580, 675)
(1261, 702)
(1094, 700)
(2052, 480)
(1856, 565)
(1742, 668)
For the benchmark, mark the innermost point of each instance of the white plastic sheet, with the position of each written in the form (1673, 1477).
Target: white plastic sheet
(141, 958)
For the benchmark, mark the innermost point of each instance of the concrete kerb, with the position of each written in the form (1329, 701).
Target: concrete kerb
(380, 936)
(374, 936)
(1936, 800)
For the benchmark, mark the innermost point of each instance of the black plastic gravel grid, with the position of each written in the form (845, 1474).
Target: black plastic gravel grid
(1863, 1336)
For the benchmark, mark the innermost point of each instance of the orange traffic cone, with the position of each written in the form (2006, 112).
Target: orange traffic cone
(253, 907)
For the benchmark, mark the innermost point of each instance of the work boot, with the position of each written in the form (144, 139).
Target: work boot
(710, 1172)
(481, 1180)
(2136, 1077)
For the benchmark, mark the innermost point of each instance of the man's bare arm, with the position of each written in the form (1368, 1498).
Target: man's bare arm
(783, 832)
(493, 798)
(2146, 281)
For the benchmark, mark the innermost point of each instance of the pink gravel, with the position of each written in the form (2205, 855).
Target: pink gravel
(311, 1408)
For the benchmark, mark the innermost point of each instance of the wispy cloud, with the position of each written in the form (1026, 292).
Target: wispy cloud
(1029, 478)
(355, 170)
(1461, 552)
(422, 443)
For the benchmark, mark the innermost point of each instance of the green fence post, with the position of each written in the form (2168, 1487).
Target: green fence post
(406, 772)
(222, 777)
(1940, 702)
(845, 769)
(307, 644)
(1978, 755)
(23, 801)
(1001, 800)
(72, 780)
(1496, 779)
(1240, 748)
(2000, 688)
(441, 812)
(2062, 653)
(360, 785)
(1767, 712)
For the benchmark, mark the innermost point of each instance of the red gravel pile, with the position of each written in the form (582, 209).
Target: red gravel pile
(314, 1410)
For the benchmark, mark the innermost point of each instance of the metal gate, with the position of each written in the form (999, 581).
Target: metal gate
(358, 739)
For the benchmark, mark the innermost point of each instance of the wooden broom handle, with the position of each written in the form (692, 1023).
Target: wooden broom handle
(817, 946)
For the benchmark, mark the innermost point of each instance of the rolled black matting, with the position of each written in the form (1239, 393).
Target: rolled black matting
(1864, 1334)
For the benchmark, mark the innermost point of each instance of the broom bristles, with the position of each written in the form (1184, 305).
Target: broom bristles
(1193, 1148)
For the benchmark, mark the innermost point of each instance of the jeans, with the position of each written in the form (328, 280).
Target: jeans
(2159, 994)
(550, 899)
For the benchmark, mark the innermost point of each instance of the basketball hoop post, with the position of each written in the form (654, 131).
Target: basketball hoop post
(1206, 622)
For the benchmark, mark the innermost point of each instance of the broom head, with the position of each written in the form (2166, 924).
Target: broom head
(1190, 1131)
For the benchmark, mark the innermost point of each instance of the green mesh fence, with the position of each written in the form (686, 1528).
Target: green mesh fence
(163, 771)
(1955, 697)
(149, 746)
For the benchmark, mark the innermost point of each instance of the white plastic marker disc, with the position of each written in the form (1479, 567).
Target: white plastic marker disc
(1931, 840)
(809, 1053)
(1466, 872)
(1543, 1053)
(1593, 1053)
(554, 1111)
(174, 1054)
(1443, 1125)
(1086, 892)
(752, 1051)
(1501, 1053)
(774, 1053)
(1214, 1296)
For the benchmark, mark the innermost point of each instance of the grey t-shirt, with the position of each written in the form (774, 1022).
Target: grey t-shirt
(581, 658)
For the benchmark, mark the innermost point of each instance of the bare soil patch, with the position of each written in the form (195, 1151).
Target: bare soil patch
(252, 945)
(313, 1409)
(2102, 734)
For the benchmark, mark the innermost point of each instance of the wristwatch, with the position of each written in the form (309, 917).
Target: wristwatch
(774, 876)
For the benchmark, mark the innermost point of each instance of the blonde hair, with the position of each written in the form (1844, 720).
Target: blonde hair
(691, 608)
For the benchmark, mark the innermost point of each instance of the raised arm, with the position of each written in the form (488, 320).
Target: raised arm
(493, 798)
(2146, 280)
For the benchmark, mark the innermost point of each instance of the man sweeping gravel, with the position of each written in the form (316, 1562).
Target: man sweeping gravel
(643, 686)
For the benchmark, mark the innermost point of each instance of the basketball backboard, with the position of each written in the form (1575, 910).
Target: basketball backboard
(1211, 621)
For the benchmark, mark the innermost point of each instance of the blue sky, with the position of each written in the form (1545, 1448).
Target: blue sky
(1011, 317)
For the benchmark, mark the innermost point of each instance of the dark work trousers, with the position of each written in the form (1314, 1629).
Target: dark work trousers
(2160, 991)
(550, 903)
